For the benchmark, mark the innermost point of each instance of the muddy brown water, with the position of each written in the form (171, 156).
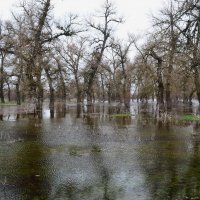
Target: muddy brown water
(93, 155)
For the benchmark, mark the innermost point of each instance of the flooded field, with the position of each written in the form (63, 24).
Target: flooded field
(93, 154)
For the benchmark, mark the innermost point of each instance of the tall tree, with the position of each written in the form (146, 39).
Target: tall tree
(166, 25)
(5, 49)
(72, 55)
(189, 26)
(103, 29)
(122, 51)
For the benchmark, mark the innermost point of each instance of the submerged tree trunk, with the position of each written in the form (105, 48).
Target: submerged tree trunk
(126, 91)
(78, 111)
(160, 85)
(126, 94)
(63, 86)
(90, 81)
(51, 92)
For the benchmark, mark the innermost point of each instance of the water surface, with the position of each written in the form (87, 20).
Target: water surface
(91, 155)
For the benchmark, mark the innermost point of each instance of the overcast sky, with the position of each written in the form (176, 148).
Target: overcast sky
(136, 12)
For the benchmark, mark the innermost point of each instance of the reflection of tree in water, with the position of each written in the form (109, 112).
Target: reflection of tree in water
(101, 188)
(146, 114)
(27, 170)
(191, 177)
(188, 108)
(169, 175)
(60, 110)
(161, 171)
(78, 111)
(70, 190)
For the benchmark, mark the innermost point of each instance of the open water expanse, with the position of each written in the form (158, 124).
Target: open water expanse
(91, 154)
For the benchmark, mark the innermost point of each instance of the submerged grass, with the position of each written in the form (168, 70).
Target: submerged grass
(75, 150)
(190, 117)
(121, 115)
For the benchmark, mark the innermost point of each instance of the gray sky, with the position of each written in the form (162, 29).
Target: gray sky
(136, 12)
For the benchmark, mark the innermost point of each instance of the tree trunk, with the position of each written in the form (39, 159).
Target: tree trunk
(103, 89)
(78, 90)
(64, 91)
(9, 93)
(39, 100)
(79, 99)
(160, 85)
(190, 96)
(51, 91)
(2, 79)
(18, 98)
(78, 111)
(196, 82)
(185, 99)
(126, 93)
(93, 70)
(90, 81)
(171, 61)
(195, 61)
(2, 93)
(109, 93)
(125, 96)
(63, 86)
(51, 102)
(160, 89)
(168, 94)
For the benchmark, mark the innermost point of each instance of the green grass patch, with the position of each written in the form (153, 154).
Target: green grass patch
(96, 149)
(121, 115)
(8, 104)
(190, 117)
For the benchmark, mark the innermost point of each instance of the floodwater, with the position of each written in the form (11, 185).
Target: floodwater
(93, 155)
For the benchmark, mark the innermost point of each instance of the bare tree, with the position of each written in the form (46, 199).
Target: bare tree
(30, 32)
(33, 34)
(166, 25)
(72, 56)
(189, 26)
(122, 51)
(5, 49)
(103, 30)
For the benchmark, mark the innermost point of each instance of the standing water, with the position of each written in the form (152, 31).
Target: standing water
(99, 154)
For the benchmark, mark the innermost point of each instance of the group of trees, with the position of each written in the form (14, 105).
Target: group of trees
(171, 55)
(85, 59)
